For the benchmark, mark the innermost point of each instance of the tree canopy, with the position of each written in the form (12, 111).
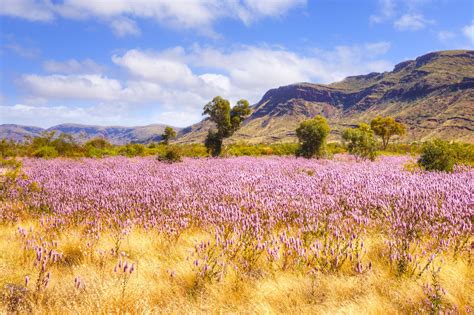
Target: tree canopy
(312, 134)
(386, 127)
(227, 121)
(360, 141)
(168, 134)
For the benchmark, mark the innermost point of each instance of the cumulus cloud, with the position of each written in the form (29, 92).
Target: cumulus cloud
(82, 87)
(72, 66)
(177, 82)
(411, 22)
(196, 14)
(124, 26)
(47, 116)
(446, 36)
(163, 68)
(468, 32)
(386, 11)
(23, 51)
(27, 9)
(404, 14)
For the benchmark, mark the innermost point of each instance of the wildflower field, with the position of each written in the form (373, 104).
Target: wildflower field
(235, 235)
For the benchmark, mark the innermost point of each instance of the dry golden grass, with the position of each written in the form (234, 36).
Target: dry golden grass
(152, 289)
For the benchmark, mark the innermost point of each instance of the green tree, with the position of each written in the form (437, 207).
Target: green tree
(386, 127)
(172, 154)
(437, 155)
(360, 141)
(65, 145)
(227, 121)
(312, 134)
(168, 135)
(46, 152)
(98, 143)
(7, 148)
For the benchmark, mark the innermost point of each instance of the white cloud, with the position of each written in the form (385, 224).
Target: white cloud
(47, 116)
(468, 32)
(404, 14)
(411, 22)
(124, 26)
(82, 87)
(72, 66)
(184, 14)
(178, 82)
(164, 68)
(446, 36)
(27, 9)
(386, 11)
(22, 51)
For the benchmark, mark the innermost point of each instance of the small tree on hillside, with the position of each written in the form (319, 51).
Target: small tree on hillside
(360, 141)
(386, 127)
(312, 136)
(227, 121)
(168, 135)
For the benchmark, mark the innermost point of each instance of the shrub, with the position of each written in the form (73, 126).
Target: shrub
(98, 143)
(463, 153)
(437, 155)
(46, 152)
(171, 155)
(360, 141)
(312, 136)
(132, 150)
(335, 148)
(7, 148)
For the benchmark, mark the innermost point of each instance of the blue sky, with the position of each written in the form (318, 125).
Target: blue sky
(138, 62)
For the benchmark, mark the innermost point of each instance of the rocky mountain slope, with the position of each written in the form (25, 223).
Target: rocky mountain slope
(433, 95)
(115, 134)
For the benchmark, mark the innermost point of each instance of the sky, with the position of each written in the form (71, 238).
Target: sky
(140, 62)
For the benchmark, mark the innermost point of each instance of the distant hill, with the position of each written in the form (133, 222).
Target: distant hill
(115, 134)
(433, 95)
(17, 132)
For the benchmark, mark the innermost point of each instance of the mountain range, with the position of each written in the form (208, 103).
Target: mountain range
(115, 134)
(433, 95)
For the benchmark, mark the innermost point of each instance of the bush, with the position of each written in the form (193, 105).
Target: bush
(437, 155)
(312, 136)
(98, 143)
(245, 149)
(171, 155)
(131, 150)
(335, 148)
(360, 142)
(463, 153)
(46, 152)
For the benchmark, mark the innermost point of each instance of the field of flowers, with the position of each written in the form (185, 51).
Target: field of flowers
(236, 235)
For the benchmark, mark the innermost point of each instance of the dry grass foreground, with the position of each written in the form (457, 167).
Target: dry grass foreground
(165, 281)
